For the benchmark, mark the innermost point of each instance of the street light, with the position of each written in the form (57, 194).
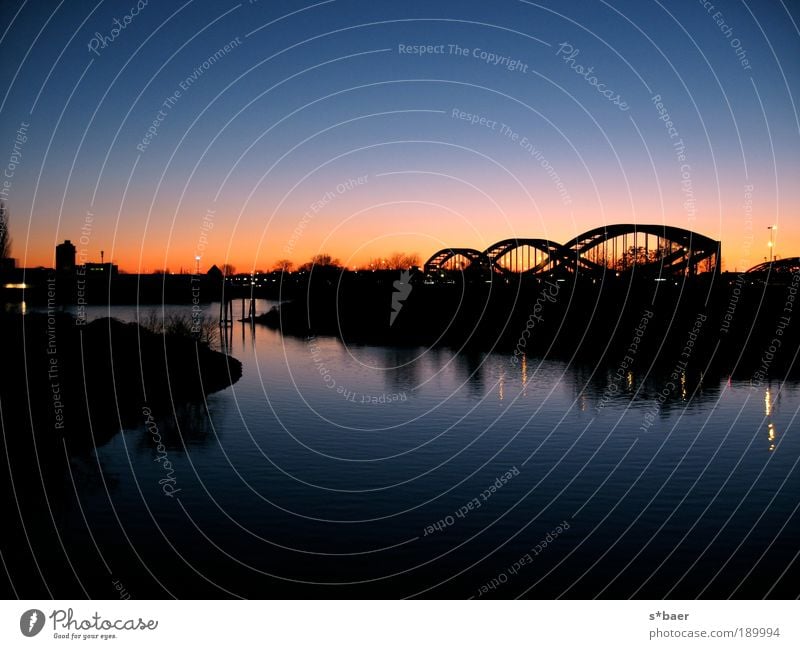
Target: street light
(197, 264)
(772, 229)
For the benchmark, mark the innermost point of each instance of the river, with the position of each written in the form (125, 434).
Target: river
(360, 471)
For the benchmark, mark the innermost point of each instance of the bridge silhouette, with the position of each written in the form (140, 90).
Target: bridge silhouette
(650, 249)
(786, 266)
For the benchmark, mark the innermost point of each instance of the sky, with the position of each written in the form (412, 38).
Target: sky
(248, 132)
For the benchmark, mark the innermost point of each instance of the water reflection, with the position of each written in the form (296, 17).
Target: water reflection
(187, 424)
(769, 407)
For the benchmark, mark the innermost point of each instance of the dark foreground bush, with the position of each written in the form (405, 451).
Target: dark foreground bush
(83, 383)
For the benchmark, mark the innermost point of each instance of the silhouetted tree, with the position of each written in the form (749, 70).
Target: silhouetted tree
(633, 255)
(5, 235)
(395, 261)
(403, 261)
(284, 265)
(600, 259)
(321, 262)
(657, 254)
(228, 270)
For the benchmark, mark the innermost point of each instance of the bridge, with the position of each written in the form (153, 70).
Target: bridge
(787, 266)
(624, 248)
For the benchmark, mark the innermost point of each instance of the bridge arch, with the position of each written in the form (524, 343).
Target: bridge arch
(454, 259)
(789, 265)
(646, 248)
(527, 256)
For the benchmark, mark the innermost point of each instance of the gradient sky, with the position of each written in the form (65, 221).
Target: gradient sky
(313, 95)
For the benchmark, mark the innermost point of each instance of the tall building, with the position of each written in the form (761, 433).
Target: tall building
(65, 256)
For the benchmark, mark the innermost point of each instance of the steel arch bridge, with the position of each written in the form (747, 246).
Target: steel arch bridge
(527, 256)
(779, 266)
(661, 249)
(647, 249)
(455, 259)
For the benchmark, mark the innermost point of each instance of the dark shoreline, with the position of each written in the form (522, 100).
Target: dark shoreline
(712, 324)
(81, 382)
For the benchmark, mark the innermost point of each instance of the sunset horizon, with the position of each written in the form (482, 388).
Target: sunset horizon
(733, 259)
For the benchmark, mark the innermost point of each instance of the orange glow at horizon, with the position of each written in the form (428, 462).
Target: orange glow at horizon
(356, 249)
(398, 215)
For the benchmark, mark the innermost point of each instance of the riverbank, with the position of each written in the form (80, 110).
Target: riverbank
(714, 323)
(80, 383)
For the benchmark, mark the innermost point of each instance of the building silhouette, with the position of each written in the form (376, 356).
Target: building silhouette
(65, 256)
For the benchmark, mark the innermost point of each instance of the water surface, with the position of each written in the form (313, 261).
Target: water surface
(359, 471)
